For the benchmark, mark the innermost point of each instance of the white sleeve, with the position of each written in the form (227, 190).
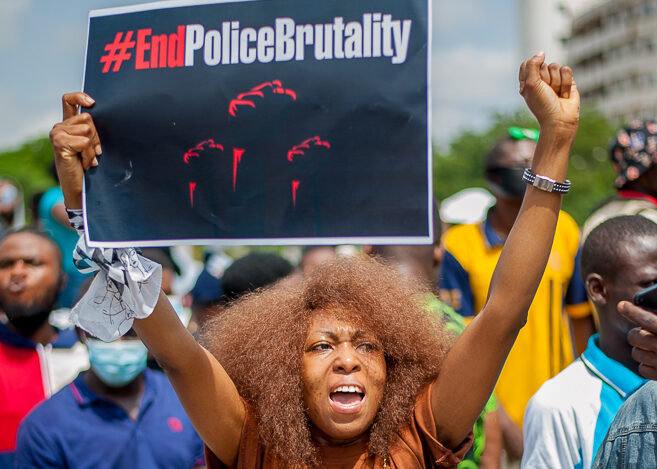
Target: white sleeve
(550, 435)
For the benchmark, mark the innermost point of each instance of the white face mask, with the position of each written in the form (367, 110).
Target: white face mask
(183, 312)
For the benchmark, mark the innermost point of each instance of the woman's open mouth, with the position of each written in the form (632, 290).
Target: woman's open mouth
(347, 399)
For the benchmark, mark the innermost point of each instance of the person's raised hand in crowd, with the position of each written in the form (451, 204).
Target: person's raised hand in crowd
(642, 338)
(551, 95)
(76, 145)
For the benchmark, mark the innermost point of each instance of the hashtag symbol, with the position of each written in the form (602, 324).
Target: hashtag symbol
(123, 46)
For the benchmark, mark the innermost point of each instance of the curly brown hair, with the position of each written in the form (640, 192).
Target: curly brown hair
(260, 340)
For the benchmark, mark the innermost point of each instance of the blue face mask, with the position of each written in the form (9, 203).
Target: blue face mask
(117, 363)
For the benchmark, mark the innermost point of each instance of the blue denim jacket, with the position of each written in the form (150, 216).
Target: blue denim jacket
(631, 441)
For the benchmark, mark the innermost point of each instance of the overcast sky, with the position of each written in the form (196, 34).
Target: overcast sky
(42, 42)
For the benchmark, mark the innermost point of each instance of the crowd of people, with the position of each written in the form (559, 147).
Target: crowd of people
(508, 342)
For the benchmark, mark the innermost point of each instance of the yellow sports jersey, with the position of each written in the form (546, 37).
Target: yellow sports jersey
(544, 345)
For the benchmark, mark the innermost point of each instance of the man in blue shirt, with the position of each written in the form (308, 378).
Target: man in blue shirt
(118, 414)
(567, 419)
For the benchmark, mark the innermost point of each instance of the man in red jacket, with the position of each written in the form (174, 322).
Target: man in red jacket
(36, 358)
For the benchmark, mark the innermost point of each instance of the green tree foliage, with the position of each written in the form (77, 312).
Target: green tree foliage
(461, 164)
(30, 166)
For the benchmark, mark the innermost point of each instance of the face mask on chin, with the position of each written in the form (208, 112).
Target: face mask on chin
(506, 182)
(117, 363)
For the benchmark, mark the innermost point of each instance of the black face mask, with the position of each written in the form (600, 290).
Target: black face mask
(506, 182)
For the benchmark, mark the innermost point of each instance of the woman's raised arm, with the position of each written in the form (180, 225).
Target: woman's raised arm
(205, 390)
(474, 363)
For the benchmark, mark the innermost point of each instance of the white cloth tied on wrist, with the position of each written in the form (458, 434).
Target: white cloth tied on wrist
(127, 286)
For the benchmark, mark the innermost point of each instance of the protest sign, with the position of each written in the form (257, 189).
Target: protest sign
(260, 122)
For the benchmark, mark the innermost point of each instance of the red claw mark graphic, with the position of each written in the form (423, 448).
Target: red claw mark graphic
(299, 150)
(251, 99)
(192, 186)
(202, 146)
(246, 98)
(237, 158)
(277, 88)
(295, 186)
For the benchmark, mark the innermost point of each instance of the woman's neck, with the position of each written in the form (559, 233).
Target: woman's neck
(322, 439)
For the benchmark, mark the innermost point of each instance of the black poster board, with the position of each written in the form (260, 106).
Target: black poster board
(260, 122)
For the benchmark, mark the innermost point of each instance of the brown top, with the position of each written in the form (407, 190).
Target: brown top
(416, 447)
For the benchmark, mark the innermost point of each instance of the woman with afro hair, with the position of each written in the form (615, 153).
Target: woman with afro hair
(347, 370)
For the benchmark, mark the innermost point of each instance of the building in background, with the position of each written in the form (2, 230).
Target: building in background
(545, 25)
(613, 50)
